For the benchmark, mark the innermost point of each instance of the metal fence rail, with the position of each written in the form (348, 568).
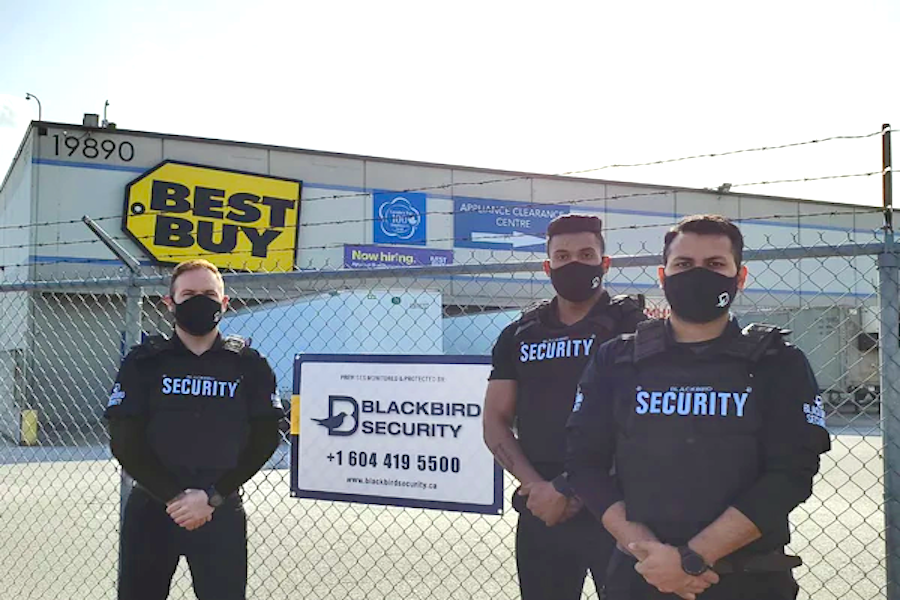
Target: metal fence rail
(61, 341)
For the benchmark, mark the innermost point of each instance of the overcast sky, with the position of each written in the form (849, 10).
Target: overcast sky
(545, 87)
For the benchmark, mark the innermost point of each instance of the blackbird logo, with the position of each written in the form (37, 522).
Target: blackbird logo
(332, 423)
(343, 416)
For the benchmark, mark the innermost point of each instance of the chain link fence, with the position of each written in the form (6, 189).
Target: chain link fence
(61, 340)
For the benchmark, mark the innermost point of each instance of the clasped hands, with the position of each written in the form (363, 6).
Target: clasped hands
(549, 505)
(660, 566)
(190, 509)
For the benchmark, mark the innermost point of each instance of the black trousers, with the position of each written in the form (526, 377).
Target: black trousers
(152, 544)
(624, 583)
(553, 561)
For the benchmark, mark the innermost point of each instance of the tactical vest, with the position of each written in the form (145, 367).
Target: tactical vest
(195, 434)
(549, 363)
(688, 430)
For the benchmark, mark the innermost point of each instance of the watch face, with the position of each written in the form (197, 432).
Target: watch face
(693, 564)
(215, 499)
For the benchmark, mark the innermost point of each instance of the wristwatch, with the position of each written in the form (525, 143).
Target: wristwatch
(561, 485)
(215, 498)
(691, 562)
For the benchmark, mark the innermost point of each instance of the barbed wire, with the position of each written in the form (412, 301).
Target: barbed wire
(729, 152)
(807, 179)
(832, 213)
(340, 245)
(367, 192)
(219, 228)
(610, 166)
(565, 203)
(63, 222)
(606, 231)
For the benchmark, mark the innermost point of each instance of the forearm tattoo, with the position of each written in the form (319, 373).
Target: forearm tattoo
(504, 457)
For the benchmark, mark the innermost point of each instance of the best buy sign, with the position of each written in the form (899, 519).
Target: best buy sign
(236, 220)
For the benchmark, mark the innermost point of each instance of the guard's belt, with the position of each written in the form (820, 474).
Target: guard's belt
(138, 486)
(770, 562)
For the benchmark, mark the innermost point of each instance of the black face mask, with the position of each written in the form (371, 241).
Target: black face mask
(198, 315)
(576, 281)
(700, 295)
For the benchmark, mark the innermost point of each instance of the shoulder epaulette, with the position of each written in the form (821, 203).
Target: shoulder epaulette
(757, 340)
(648, 339)
(234, 343)
(531, 315)
(628, 311)
(151, 346)
(635, 302)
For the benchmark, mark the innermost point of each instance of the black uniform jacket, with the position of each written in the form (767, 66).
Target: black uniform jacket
(178, 420)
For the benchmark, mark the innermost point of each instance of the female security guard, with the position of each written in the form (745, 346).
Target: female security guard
(192, 418)
(715, 434)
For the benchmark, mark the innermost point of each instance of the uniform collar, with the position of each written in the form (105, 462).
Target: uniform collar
(732, 328)
(551, 315)
(176, 343)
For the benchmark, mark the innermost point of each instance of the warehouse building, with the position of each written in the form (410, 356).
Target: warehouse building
(257, 208)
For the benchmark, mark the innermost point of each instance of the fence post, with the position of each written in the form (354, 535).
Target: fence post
(134, 306)
(889, 301)
(134, 300)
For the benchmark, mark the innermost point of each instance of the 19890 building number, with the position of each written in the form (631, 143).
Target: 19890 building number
(91, 148)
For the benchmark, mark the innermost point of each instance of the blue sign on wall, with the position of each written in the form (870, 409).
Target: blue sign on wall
(363, 257)
(400, 218)
(502, 224)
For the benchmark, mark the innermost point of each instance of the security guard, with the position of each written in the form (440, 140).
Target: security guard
(715, 434)
(537, 362)
(192, 418)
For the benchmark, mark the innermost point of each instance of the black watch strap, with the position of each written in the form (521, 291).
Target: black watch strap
(215, 498)
(561, 485)
(691, 562)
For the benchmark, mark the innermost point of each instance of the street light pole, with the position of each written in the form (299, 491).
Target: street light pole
(36, 99)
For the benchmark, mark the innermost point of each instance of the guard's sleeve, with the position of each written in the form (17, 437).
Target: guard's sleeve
(263, 401)
(264, 410)
(590, 435)
(793, 438)
(127, 415)
(633, 315)
(128, 397)
(262, 443)
(503, 356)
(128, 442)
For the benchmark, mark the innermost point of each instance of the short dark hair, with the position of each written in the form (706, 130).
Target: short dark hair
(707, 225)
(193, 265)
(575, 223)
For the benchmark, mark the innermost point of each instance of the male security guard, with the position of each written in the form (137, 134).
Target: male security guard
(537, 362)
(192, 418)
(715, 433)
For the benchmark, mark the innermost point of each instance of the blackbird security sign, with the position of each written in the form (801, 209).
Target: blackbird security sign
(236, 220)
(393, 430)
